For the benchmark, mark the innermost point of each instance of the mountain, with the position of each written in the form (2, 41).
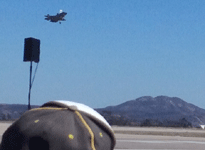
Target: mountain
(144, 111)
(158, 111)
(12, 111)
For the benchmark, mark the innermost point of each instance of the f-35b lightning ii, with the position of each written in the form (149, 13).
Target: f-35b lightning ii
(58, 17)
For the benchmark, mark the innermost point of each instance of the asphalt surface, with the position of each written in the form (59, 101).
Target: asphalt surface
(138, 138)
(150, 142)
(129, 138)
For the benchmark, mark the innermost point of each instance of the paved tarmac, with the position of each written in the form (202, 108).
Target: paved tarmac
(137, 138)
(151, 142)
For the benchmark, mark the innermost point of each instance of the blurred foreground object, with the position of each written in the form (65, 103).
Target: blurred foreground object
(59, 125)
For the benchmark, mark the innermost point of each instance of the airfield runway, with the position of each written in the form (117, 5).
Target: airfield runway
(136, 138)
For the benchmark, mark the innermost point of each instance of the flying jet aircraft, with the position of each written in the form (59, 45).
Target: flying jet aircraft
(58, 17)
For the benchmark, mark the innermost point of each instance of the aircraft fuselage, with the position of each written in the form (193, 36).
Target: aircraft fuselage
(56, 18)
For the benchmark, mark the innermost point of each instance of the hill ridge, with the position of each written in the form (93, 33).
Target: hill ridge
(143, 111)
(160, 110)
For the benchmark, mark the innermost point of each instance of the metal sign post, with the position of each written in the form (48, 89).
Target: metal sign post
(29, 94)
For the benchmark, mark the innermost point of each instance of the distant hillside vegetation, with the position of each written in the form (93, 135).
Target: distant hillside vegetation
(159, 111)
(12, 111)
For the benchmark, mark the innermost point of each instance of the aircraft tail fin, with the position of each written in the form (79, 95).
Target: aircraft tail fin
(47, 15)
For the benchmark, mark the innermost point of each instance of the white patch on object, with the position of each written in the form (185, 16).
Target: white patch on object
(202, 126)
(84, 108)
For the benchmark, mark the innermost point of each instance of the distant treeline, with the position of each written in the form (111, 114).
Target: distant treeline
(123, 121)
(10, 116)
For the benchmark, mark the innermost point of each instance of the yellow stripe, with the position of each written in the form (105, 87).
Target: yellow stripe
(88, 128)
(79, 115)
(48, 108)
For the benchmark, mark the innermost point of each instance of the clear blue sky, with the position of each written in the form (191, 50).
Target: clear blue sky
(106, 52)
